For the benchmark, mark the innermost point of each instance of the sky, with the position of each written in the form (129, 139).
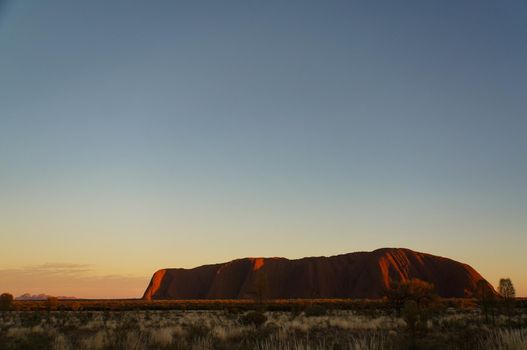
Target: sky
(139, 135)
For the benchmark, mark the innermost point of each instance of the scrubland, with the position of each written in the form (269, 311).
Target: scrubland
(315, 327)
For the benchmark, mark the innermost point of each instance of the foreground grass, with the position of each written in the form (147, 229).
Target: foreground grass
(239, 329)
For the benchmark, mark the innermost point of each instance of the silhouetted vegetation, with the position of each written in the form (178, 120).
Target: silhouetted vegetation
(416, 290)
(486, 299)
(52, 303)
(6, 301)
(506, 289)
(254, 318)
(315, 310)
(362, 306)
(508, 294)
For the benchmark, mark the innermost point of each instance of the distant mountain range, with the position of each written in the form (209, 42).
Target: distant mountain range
(353, 275)
(27, 296)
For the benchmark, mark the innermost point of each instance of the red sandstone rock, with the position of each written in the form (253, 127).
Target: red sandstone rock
(354, 275)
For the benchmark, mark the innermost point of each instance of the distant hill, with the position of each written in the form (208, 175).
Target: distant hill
(353, 275)
(27, 296)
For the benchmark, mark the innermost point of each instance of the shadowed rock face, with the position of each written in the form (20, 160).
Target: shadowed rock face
(354, 275)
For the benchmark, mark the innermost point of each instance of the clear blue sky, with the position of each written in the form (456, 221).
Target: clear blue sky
(136, 135)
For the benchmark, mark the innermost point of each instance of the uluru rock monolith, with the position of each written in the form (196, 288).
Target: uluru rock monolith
(353, 275)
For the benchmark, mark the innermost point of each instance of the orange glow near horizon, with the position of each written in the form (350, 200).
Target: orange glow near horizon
(79, 281)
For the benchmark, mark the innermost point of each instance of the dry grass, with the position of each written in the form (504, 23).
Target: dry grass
(225, 329)
(505, 339)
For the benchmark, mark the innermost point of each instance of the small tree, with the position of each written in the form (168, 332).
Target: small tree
(419, 291)
(397, 294)
(6, 301)
(506, 289)
(508, 293)
(417, 297)
(411, 316)
(485, 297)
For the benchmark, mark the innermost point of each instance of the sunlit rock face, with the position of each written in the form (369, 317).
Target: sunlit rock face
(353, 275)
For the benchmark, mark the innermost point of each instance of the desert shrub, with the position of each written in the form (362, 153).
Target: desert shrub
(52, 303)
(162, 337)
(411, 315)
(232, 313)
(466, 304)
(415, 289)
(128, 323)
(129, 340)
(75, 306)
(254, 318)
(31, 341)
(315, 310)
(31, 319)
(197, 330)
(6, 301)
(296, 310)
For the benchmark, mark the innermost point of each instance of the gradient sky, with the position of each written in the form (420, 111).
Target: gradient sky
(138, 135)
